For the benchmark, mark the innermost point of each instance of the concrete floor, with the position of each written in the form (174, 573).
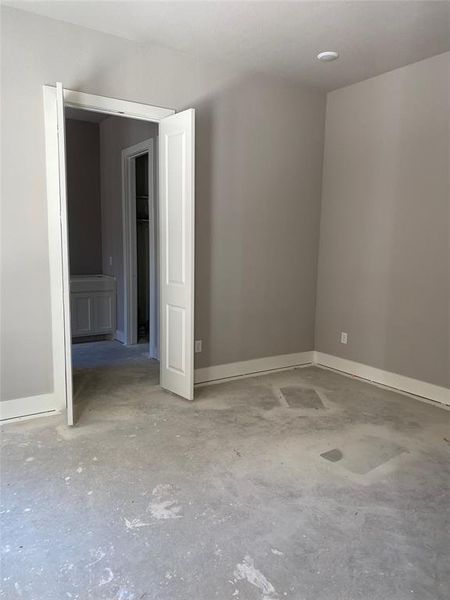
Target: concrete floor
(302, 484)
(100, 368)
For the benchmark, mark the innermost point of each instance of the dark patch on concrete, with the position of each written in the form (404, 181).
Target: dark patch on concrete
(264, 401)
(332, 455)
(363, 454)
(300, 397)
(243, 392)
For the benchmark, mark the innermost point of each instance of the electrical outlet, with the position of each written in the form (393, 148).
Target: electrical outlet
(344, 337)
(110, 261)
(198, 345)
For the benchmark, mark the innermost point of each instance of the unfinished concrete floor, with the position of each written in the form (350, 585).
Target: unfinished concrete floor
(302, 484)
(99, 368)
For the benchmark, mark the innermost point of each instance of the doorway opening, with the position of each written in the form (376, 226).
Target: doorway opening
(113, 254)
(175, 243)
(142, 249)
(140, 245)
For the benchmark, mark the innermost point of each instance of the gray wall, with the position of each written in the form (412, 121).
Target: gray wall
(116, 134)
(259, 162)
(384, 241)
(83, 197)
(259, 159)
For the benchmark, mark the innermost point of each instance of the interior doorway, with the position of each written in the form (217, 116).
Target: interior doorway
(142, 249)
(112, 212)
(175, 239)
(140, 237)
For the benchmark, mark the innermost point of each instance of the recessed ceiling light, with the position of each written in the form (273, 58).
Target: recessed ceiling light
(328, 56)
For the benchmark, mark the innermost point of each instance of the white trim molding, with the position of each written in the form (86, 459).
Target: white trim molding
(400, 383)
(55, 258)
(249, 367)
(115, 106)
(47, 404)
(31, 406)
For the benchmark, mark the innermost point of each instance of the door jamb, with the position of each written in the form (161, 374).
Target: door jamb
(56, 241)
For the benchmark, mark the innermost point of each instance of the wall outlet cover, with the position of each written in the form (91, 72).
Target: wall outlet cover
(198, 345)
(344, 337)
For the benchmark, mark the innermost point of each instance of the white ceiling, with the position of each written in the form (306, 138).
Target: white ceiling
(280, 37)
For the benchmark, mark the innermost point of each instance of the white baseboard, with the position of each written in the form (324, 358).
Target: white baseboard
(20, 408)
(45, 404)
(386, 378)
(248, 367)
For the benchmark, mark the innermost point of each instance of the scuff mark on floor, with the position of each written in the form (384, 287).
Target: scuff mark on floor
(107, 577)
(135, 524)
(247, 570)
(97, 556)
(164, 506)
(166, 509)
(124, 594)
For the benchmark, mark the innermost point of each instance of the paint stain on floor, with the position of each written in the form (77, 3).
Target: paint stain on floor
(246, 570)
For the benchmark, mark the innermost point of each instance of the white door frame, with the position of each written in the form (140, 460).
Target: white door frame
(129, 156)
(57, 241)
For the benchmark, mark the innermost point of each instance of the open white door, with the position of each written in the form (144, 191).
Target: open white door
(65, 247)
(177, 216)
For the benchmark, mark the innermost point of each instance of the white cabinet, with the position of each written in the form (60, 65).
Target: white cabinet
(92, 305)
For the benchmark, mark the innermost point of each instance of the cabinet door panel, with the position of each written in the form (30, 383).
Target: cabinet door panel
(103, 310)
(81, 314)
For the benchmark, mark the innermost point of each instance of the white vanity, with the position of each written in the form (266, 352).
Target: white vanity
(92, 305)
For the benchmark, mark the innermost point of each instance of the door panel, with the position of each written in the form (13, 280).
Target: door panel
(175, 351)
(177, 215)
